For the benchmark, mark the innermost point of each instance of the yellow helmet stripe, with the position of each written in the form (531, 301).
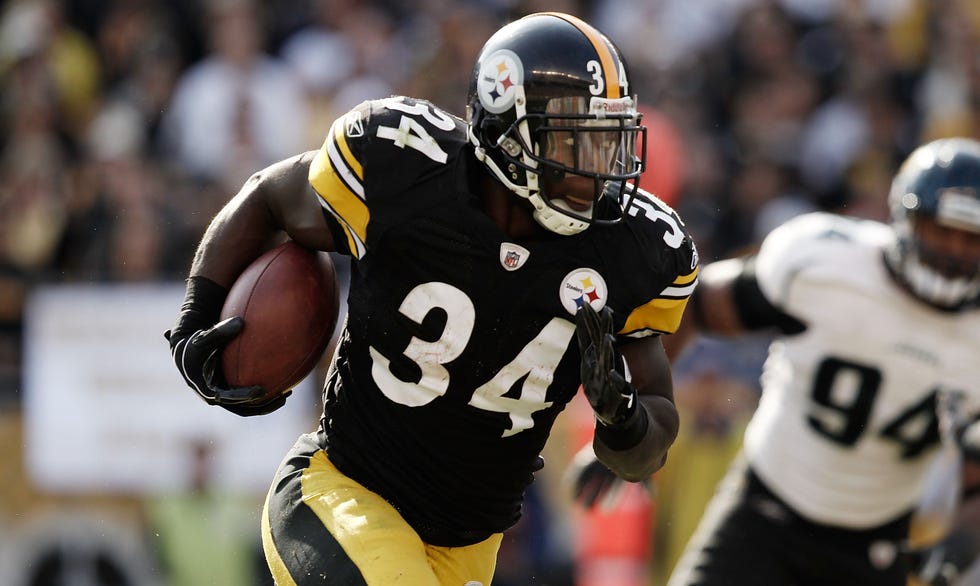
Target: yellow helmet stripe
(606, 58)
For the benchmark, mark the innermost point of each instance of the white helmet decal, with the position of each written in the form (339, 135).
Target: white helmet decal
(500, 75)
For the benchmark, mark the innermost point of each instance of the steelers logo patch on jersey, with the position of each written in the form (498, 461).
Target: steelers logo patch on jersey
(500, 74)
(583, 286)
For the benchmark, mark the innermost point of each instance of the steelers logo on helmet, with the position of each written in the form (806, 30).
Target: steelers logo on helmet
(500, 74)
(583, 286)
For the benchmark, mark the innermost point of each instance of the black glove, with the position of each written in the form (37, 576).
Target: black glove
(931, 567)
(613, 399)
(198, 358)
(592, 483)
(590, 480)
(945, 562)
(956, 427)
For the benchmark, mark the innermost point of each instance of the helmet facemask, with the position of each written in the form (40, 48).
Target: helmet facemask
(597, 141)
(940, 278)
(935, 214)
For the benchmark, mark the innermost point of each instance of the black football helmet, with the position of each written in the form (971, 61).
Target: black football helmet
(939, 180)
(550, 95)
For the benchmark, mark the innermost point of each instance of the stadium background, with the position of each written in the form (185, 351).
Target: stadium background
(124, 125)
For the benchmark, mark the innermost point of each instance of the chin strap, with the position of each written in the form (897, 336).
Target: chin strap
(552, 218)
(548, 214)
(544, 214)
(906, 262)
(935, 288)
(481, 155)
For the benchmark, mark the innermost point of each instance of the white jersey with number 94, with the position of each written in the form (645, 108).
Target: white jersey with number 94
(847, 420)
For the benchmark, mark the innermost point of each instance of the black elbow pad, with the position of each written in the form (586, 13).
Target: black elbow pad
(754, 309)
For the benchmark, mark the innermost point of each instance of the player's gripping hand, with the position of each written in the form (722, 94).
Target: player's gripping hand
(593, 484)
(197, 355)
(612, 398)
(591, 481)
(956, 427)
(930, 567)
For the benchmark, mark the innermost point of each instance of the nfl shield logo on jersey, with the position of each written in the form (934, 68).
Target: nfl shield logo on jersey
(882, 554)
(512, 256)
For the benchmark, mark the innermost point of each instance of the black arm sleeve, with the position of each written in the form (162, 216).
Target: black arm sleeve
(754, 309)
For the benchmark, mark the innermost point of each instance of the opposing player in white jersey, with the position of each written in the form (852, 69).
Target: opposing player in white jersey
(875, 323)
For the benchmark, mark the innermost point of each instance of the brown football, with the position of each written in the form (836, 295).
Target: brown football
(289, 301)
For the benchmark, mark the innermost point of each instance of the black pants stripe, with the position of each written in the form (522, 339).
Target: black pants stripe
(299, 538)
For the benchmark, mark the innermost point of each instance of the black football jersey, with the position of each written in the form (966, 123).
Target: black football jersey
(459, 349)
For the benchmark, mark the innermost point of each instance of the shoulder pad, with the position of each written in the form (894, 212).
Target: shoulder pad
(809, 240)
(389, 144)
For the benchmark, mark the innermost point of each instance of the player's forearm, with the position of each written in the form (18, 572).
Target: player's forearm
(240, 232)
(637, 462)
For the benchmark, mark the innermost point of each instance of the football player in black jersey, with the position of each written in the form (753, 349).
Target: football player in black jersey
(871, 381)
(498, 263)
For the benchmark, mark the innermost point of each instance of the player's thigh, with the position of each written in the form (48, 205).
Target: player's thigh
(733, 543)
(319, 526)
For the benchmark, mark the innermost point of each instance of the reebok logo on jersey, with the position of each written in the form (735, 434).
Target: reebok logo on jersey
(583, 286)
(353, 126)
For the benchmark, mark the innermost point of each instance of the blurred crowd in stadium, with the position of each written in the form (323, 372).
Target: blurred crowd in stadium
(124, 125)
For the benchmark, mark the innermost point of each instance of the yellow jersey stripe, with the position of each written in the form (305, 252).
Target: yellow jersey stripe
(682, 286)
(659, 315)
(606, 57)
(688, 278)
(345, 152)
(337, 198)
(340, 188)
(354, 243)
